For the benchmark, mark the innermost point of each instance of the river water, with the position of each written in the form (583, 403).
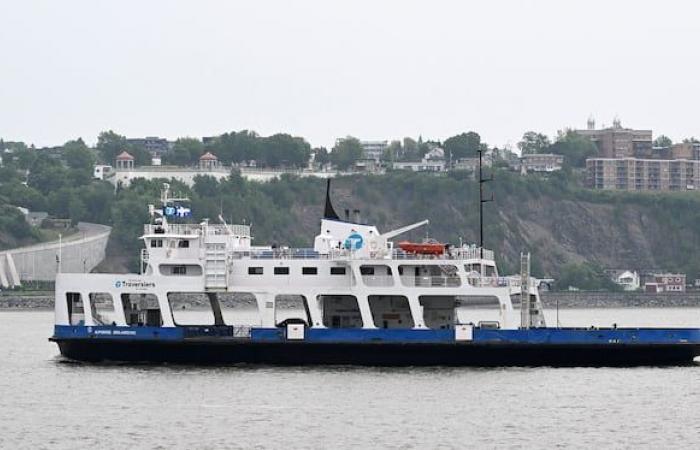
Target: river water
(46, 402)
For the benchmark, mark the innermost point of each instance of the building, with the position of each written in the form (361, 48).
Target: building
(425, 165)
(156, 146)
(666, 282)
(618, 142)
(541, 162)
(102, 172)
(629, 280)
(632, 174)
(373, 149)
(368, 166)
(686, 150)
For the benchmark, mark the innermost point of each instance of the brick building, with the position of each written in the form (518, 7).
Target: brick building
(632, 174)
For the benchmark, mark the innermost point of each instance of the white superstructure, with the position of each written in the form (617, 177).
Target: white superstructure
(355, 276)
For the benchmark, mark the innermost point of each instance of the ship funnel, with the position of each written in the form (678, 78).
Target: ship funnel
(329, 212)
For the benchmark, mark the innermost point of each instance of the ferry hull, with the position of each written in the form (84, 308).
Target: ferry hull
(232, 351)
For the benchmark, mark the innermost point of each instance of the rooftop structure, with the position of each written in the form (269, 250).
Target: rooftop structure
(618, 142)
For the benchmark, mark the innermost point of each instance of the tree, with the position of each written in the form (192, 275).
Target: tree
(185, 152)
(80, 160)
(691, 140)
(284, 150)
(533, 142)
(464, 145)
(586, 276)
(663, 141)
(321, 156)
(393, 152)
(345, 152)
(110, 144)
(574, 147)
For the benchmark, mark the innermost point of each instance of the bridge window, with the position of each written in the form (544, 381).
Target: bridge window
(337, 270)
(281, 270)
(156, 243)
(183, 243)
(255, 270)
(309, 270)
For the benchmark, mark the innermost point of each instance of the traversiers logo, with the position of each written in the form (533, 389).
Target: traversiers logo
(135, 284)
(353, 242)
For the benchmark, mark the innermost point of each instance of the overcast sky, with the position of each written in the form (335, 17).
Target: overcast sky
(324, 69)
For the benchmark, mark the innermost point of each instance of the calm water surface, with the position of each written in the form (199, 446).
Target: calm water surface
(49, 403)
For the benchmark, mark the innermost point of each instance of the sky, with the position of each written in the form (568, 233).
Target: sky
(326, 69)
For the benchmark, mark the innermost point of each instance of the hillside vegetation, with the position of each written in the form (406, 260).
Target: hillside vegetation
(563, 226)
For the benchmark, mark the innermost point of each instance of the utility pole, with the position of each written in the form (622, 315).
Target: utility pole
(482, 200)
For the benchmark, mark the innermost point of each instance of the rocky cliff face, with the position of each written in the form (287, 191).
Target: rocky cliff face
(558, 226)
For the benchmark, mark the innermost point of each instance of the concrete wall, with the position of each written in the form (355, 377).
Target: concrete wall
(187, 175)
(80, 252)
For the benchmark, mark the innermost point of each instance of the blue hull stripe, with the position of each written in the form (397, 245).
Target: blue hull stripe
(538, 336)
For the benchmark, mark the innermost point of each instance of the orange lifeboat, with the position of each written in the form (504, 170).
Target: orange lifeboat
(423, 248)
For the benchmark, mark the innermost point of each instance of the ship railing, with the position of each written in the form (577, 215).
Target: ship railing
(452, 254)
(431, 281)
(198, 230)
(512, 282)
(144, 255)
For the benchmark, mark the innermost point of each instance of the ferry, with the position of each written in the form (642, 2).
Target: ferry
(354, 298)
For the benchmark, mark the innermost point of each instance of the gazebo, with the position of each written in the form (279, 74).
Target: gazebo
(208, 161)
(124, 161)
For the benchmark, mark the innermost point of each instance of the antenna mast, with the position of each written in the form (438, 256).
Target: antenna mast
(482, 200)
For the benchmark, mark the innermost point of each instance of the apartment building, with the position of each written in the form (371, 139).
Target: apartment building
(633, 174)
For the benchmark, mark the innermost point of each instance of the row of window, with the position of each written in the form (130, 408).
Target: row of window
(304, 271)
(158, 243)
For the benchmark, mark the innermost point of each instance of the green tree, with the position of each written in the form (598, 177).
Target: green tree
(393, 152)
(80, 159)
(663, 141)
(321, 156)
(464, 145)
(345, 152)
(533, 142)
(48, 175)
(586, 276)
(575, 148)
(284, 150)
(185, 152)
(110, 144)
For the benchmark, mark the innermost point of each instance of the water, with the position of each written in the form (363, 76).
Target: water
(48, 403)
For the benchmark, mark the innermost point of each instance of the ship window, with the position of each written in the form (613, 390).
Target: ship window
(179, 270)
(341, 311)
(240, 309)
(76, 313)
(102, 307)
(193, 308)
(281, 270)
(156, 243)
(141, 309)
(184, 243)
(291, 309)
(390, 311)
(367, 270)
(255, 270)
(337, 270)
(309, 270)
